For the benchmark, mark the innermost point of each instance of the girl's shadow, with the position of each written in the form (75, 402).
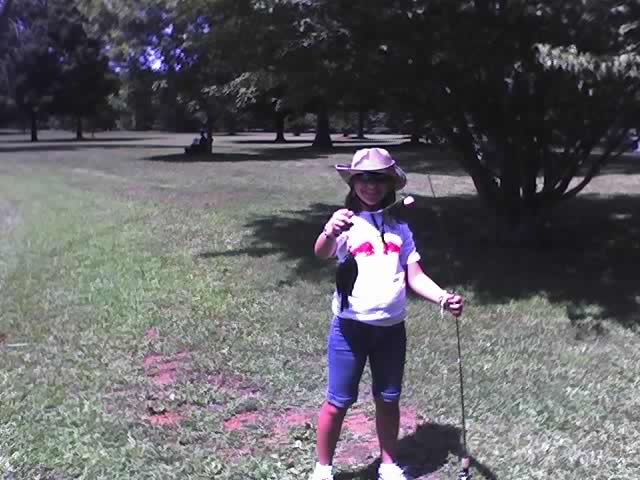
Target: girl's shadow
(423, 452)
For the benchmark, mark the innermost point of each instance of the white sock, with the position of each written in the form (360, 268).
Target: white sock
(324, 468)
(388, 466)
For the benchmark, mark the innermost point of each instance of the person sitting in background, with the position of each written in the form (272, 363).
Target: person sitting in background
(199, 144)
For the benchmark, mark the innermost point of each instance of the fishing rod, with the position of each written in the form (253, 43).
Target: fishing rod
(464, 473)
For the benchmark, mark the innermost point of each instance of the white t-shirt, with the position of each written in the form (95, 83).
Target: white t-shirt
(379, 293)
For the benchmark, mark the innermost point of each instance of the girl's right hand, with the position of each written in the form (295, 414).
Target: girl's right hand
(339, 222)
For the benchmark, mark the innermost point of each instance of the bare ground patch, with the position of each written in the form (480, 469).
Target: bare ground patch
(159, 401)
(256, 430)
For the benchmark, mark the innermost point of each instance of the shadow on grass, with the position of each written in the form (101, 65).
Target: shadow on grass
(73, 141)
(424, 159)
(336, 141)
(420, 159)
(414, 159)
(77, 146)
(588, 262)
(283, 153)
(273, 142)
(423, 452)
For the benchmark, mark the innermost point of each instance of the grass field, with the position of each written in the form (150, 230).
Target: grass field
(165, 319)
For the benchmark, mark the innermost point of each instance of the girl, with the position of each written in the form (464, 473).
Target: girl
(377, 258)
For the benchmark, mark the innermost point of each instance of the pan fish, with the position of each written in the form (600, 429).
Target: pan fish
(346, 275)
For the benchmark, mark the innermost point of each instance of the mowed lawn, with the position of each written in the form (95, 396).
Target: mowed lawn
(163, 318)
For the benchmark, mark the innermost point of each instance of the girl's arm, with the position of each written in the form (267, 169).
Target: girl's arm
(421, 284)
(325, 245)
(339, 222)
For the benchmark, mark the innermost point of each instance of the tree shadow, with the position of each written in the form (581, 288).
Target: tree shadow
(422, 452)
(273, 142)
(71, 147)
(270, 154)
(338, 140)
(73, 141)
(589, 256)
(627, 163)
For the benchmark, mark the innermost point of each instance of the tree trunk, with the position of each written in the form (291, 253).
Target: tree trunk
(230, 123)
(34, 126)
(79, 135)
(209, 135)
(416, 128)
(362, 117)
(323, 137)
(521, 222)
(171, 105)
(280, 118)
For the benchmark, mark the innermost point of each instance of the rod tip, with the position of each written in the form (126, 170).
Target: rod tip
(409, 201)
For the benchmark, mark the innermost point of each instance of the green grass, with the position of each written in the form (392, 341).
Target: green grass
(136, 288)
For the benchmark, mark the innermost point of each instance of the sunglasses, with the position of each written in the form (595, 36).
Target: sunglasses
(372, 177)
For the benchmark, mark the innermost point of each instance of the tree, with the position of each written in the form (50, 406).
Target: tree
(137, 95)
(222, 51)
(287, 54)
(536, 96)
(312, 58)
(7, 44)
(141, 35)
(35, 69)
(86, 77)
(363, 59)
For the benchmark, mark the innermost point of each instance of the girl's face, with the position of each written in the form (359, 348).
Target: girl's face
(371, 188)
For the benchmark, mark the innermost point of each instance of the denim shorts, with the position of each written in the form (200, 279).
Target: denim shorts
(350, 344)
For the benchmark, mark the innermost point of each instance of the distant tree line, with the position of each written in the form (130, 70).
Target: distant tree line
(537, 96)
(51, 65)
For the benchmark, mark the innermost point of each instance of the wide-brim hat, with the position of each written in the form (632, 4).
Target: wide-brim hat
(377, 160)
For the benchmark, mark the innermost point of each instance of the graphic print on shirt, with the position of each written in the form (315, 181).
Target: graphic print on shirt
(365, 248)
(368, 248)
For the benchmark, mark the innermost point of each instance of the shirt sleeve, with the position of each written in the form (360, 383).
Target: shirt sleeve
(408, 252)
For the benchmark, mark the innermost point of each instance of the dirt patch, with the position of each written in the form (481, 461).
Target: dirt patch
(164, 418)
(165, 370)
(233, 384)
(152, 333)
(242, 421)
(359, 444)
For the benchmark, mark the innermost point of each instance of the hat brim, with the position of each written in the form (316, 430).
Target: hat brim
(394, 172)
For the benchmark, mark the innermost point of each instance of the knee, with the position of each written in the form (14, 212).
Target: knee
(386, 405)
(332, 411)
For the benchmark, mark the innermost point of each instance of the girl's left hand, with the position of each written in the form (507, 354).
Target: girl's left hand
(454, 304)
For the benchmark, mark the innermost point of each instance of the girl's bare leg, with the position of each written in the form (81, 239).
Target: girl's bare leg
(388, 427)
(329, 426)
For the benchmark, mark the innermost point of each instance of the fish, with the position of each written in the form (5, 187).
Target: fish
(346, 275)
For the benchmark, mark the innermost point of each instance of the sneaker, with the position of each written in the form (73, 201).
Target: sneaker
(322, 472)
(391, 471)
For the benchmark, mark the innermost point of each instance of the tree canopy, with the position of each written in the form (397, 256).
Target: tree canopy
(52, 65)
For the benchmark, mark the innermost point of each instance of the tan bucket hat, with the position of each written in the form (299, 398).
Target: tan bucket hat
(376, 160)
